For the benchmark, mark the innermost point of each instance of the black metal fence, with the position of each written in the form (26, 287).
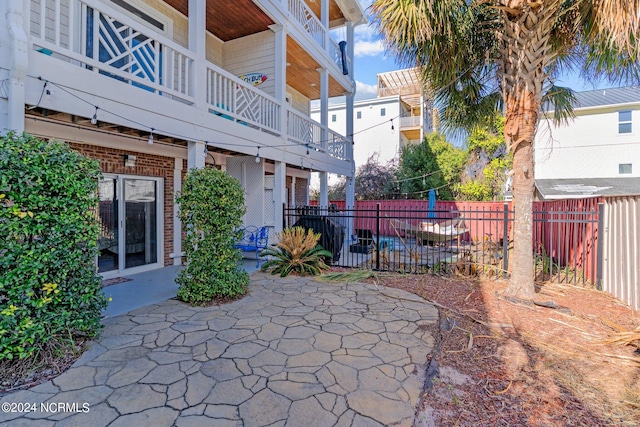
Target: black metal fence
(473, 241)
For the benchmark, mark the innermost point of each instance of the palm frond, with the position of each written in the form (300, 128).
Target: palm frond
(348, 276)
(562, 100)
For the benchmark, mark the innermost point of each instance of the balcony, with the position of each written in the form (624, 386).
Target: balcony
(103, 42)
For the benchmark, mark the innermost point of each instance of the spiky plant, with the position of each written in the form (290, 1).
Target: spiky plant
(297, 251)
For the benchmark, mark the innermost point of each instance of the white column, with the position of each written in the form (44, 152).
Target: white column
(422, 118)
(324, 19)
(279, 192)
(324, 189)
(177, 224)
(324, 135)
(324, 106)
(198, 45)
(196, 154)
(14, 54)
(350, 189)
(280, 77)
(293, 191)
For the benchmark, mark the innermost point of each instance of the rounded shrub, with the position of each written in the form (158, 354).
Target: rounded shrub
(211, 209)
(49, 287)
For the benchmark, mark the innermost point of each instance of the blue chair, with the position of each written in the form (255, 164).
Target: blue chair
(253, 239)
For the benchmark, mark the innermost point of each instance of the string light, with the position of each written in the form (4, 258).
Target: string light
(258, 156)
(150, 142)
(94, 119)
(392, 128)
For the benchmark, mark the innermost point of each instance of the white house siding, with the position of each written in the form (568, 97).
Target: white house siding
(298, 101)
(251, 177)
(49, 16)
(588, 147)
(252, 54)
(372, 133)
(215, 48)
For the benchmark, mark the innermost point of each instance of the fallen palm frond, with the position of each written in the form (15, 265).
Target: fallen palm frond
(348, 276)
(624, 338)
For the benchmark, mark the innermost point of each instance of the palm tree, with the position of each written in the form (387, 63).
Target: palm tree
(483, 56)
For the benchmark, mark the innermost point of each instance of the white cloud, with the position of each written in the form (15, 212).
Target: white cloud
(368, 48)
(364, 90)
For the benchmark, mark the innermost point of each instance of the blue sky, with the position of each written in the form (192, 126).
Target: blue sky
(370, 60)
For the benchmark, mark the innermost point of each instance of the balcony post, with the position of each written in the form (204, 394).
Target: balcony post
(351, 180)
(324, 19)
(13, 18)
(280, 77)
(198, 45)
(324, 134)
(196, 154)
(279, 193)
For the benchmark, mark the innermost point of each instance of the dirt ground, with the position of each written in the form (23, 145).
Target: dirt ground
(502, 363)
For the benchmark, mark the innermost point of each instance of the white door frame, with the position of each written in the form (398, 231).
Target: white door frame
(122, 271)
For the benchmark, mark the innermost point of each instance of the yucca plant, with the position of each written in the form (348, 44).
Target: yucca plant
(297, 251)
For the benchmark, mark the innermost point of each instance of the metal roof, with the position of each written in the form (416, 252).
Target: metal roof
(578, 188)
(611, 96)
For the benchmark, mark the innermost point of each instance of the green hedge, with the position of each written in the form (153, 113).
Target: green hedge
(49, 289)
(211, 209)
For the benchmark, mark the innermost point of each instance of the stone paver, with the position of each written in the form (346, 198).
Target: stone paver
(293, 352)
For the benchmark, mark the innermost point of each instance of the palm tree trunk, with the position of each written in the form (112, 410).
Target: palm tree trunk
(525, 53)
(521, 283)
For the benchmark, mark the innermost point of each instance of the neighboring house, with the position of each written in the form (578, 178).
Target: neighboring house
(152, 88)
(598, 153)
(400, 115)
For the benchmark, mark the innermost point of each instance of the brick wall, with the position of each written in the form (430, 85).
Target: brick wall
(301, 191)
(112, 161)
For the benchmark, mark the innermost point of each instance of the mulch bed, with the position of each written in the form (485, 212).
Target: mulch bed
(502, 363)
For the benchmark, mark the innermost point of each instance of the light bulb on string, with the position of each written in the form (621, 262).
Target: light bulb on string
(94, 119)
(258, 156)
(150, 141)
(392, 128)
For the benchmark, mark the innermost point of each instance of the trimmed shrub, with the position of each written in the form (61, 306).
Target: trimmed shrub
(49, 287)
(211, 209)
(297, 251)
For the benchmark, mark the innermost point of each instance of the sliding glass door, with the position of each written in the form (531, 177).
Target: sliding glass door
(130, 214)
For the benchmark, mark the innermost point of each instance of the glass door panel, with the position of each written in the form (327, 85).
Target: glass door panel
(108, 258)
(140, 222)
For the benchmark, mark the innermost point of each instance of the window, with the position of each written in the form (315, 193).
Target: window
(359, 114)
(383, 112)
(333, 117)
(625, 168)
(624, 121)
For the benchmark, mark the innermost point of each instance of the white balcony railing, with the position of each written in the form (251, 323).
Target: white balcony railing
(307, 132)
(102, 40)
(312, 25)
(413, 121)
(337, 146)
(301, 13)
(303, 130)
(107, 42)
(233, 99)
